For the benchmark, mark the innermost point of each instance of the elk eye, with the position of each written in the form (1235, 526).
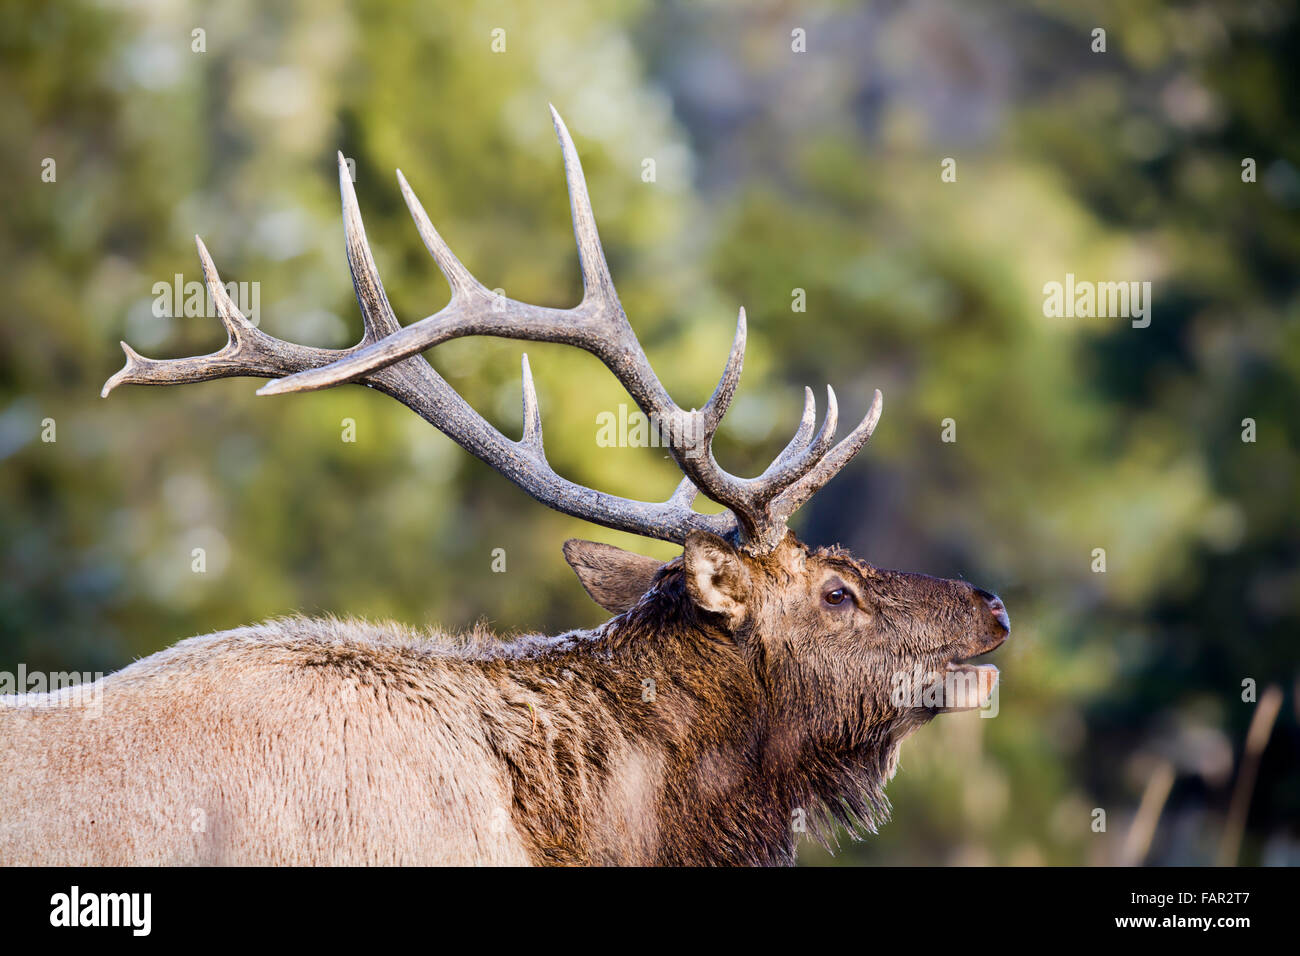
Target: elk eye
(836, 597)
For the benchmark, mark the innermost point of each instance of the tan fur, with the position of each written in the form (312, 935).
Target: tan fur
(687, 730)
(296, 742)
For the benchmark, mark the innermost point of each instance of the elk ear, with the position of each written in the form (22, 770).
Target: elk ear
(716, 577)
(615, 579)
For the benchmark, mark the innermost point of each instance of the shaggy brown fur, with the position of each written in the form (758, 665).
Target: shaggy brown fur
(690, 729)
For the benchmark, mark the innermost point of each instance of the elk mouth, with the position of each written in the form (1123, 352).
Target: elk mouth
(967, 685)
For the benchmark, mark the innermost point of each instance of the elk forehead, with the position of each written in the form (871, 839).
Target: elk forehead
(843, 561)
(791, 556)
(796, 558)
(793, 562)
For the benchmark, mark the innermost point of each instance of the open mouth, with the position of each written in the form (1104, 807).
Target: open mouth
(968, 685)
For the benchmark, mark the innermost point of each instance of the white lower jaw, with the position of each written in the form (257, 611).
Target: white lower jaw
(968, 687)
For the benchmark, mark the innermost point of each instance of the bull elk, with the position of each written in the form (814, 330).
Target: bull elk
(748, 684)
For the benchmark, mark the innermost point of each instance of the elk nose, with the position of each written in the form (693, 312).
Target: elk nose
(996, 608)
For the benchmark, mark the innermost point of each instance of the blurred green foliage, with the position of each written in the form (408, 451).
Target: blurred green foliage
(774, 171)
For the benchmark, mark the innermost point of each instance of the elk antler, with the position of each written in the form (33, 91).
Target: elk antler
(387, 358)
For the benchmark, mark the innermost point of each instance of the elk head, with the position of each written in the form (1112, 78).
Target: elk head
(842, 648)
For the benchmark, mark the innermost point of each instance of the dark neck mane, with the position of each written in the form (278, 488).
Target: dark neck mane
(743, 783)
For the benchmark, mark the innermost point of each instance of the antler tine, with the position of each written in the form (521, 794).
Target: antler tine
(458, 277)
(797, 460)
(784, 473)
(597, 285)
(789, 501)
(246, 347)
(376, 314)
(689, 435)
(685, 494)
(720, 400)
(803, 434)
(532, 414)
(237, 325)
(128, 373)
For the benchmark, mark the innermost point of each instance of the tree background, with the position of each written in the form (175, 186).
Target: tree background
(775, 170)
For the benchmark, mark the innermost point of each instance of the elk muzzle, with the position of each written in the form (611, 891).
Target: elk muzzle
(967, 685)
